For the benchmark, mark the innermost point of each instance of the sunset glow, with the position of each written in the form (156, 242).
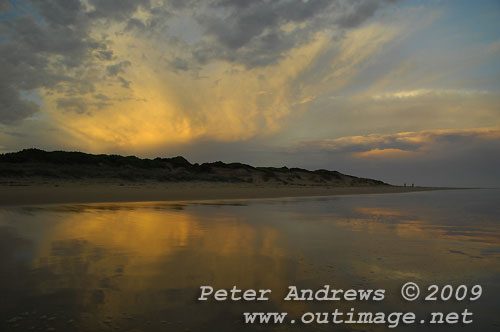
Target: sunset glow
(257, 82)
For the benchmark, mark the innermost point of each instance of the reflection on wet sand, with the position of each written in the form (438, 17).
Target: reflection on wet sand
(122, 259)
(405, 226)
(140, 266)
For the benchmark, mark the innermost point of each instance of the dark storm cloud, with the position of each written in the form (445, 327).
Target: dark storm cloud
(5, 6)
(82, 106)
(43, 43)
(124, 83)
(76, 105)
(12, 107)
(251, 32)
(358, 13)
(118, 68)
(100, 96)
(116, 9)
(135, 23)
(48, 43)
(179, 64)
(104, 55)
(30, 36)
(59, 12)
(29, 44)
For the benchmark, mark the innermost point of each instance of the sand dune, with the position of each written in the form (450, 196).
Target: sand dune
(34, 176)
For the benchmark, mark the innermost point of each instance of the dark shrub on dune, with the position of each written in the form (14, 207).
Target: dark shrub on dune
(78, 165)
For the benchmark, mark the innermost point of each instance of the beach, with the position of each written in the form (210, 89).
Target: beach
(142, 266)
(62, 192)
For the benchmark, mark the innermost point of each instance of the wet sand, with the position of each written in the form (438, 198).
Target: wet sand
(139, 266)
(71, 192)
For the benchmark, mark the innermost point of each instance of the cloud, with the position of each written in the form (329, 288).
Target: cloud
(358, 13)
(118, 68)
(41, 54)
(135, 23)
(242, 23)
(115, 9)
(168, 84)
(77, 105)
(63, 47)
(140, 76)
(13, 108)
(124, 83)
(405, 144)
(421, 93)
(342, 113)
(59, 47)
(100, 96)
(179, 64)
(104, 55)
(259, 33)
(464, 157)
(5, 7)
(59, 12)
(383, 153)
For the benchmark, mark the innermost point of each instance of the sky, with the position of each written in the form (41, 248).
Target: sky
(401, 91)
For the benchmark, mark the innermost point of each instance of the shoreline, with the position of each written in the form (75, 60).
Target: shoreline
(77, 193)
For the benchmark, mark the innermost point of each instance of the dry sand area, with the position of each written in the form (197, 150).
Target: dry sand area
(73, 192)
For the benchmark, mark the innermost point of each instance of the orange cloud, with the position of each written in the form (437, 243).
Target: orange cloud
(148, 105)
(399, 145)
(383, 153)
